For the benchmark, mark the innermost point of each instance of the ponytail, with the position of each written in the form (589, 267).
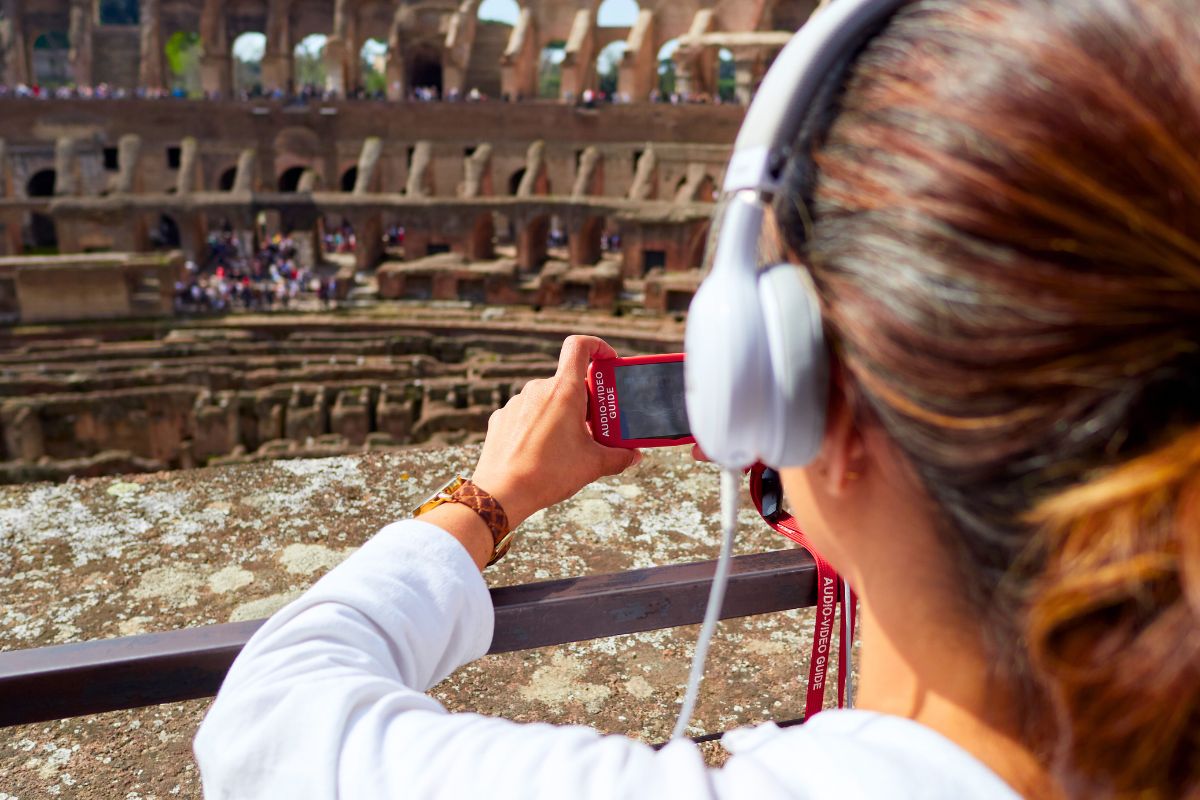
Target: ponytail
(1114, 625)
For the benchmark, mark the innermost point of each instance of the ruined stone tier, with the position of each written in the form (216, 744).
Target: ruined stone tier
(205, 396)
(478, 186)
(446, 44)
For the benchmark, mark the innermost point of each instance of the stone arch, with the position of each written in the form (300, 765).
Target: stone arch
(608, 67)
(549, 69)
(296, 147)
(41, 183)
(42, 233)
(182, 52)
(308, 62)
(666, 66)
(506, 11)
(372, 58)
(165, 233)
(247, 51)
(50, 63)
(425, 68)
(303, 143)
(617, 13)
(289, 179)
(514, 181)
(227, 180)
(726, 78)
(118, 12)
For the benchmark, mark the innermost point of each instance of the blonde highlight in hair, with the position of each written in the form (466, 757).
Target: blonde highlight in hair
(1114, 621)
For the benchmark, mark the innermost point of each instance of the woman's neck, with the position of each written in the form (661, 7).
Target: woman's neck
(919, 664)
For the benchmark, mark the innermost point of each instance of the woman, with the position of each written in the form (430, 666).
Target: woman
(1004, 229)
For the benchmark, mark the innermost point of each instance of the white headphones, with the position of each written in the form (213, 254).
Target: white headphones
(757, 366)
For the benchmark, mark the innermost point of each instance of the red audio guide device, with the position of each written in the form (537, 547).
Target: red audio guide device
(638, 402)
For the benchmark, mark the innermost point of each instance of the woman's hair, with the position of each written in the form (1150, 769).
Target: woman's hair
(1004, 225)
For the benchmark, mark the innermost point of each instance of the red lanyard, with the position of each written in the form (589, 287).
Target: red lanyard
(830, 589)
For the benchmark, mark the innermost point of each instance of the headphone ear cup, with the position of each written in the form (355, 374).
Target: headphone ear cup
(728, 373)
(799, 366)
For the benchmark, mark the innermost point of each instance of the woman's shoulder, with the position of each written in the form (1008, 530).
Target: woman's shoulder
(853, 754)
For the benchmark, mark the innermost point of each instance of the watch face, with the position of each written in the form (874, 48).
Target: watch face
(438, 497)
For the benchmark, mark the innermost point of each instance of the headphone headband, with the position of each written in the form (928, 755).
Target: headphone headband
(792, 85)
(757, 366)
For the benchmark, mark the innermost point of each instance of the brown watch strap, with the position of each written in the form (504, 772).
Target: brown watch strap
(490, 511)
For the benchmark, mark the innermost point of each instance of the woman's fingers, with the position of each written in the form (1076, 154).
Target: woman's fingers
(579, 351)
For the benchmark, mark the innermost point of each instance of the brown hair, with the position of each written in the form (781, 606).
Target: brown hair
(1004, 225)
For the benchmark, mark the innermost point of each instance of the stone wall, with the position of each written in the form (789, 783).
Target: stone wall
(328, 138)
(440, 44)
(89, 287)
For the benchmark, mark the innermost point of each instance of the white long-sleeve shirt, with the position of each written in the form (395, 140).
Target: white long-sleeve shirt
(327, 700)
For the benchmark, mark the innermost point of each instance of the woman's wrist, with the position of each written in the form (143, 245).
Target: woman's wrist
(517, 505)
(467, 527)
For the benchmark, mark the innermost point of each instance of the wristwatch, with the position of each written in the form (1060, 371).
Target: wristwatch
(462, 491)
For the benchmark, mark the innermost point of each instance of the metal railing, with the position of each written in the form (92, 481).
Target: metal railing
(69, 680)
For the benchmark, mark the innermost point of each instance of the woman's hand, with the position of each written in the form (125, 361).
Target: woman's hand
(538, 449)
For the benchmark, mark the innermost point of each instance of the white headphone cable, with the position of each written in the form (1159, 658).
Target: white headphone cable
(731, 480)
(848, 645)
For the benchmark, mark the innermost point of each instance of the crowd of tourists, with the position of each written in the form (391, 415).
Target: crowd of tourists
(311, 93)
(234, 278)
(101, 91)
(340, 240)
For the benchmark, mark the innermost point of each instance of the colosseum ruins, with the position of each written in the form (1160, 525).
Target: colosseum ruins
(431, 194)
(496, 187)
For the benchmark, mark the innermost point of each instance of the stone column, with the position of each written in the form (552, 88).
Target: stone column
(353, 45)
(395, 73)
(216, 61)
(638, 73)
(247, 166)
(66, 167)
(337, 47)
(368, 229)
(277, 62)
(188, 179)
(685, 72)
(152, 73)
(129, 150)
(12, 42)
(80, 36)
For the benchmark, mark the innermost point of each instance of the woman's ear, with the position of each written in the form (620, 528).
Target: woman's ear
(843, 460)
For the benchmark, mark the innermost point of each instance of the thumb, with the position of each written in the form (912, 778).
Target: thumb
(614, 460)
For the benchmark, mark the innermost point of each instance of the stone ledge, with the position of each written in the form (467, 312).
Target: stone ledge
(108, 557)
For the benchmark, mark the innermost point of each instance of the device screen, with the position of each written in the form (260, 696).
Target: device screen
(651, 397)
